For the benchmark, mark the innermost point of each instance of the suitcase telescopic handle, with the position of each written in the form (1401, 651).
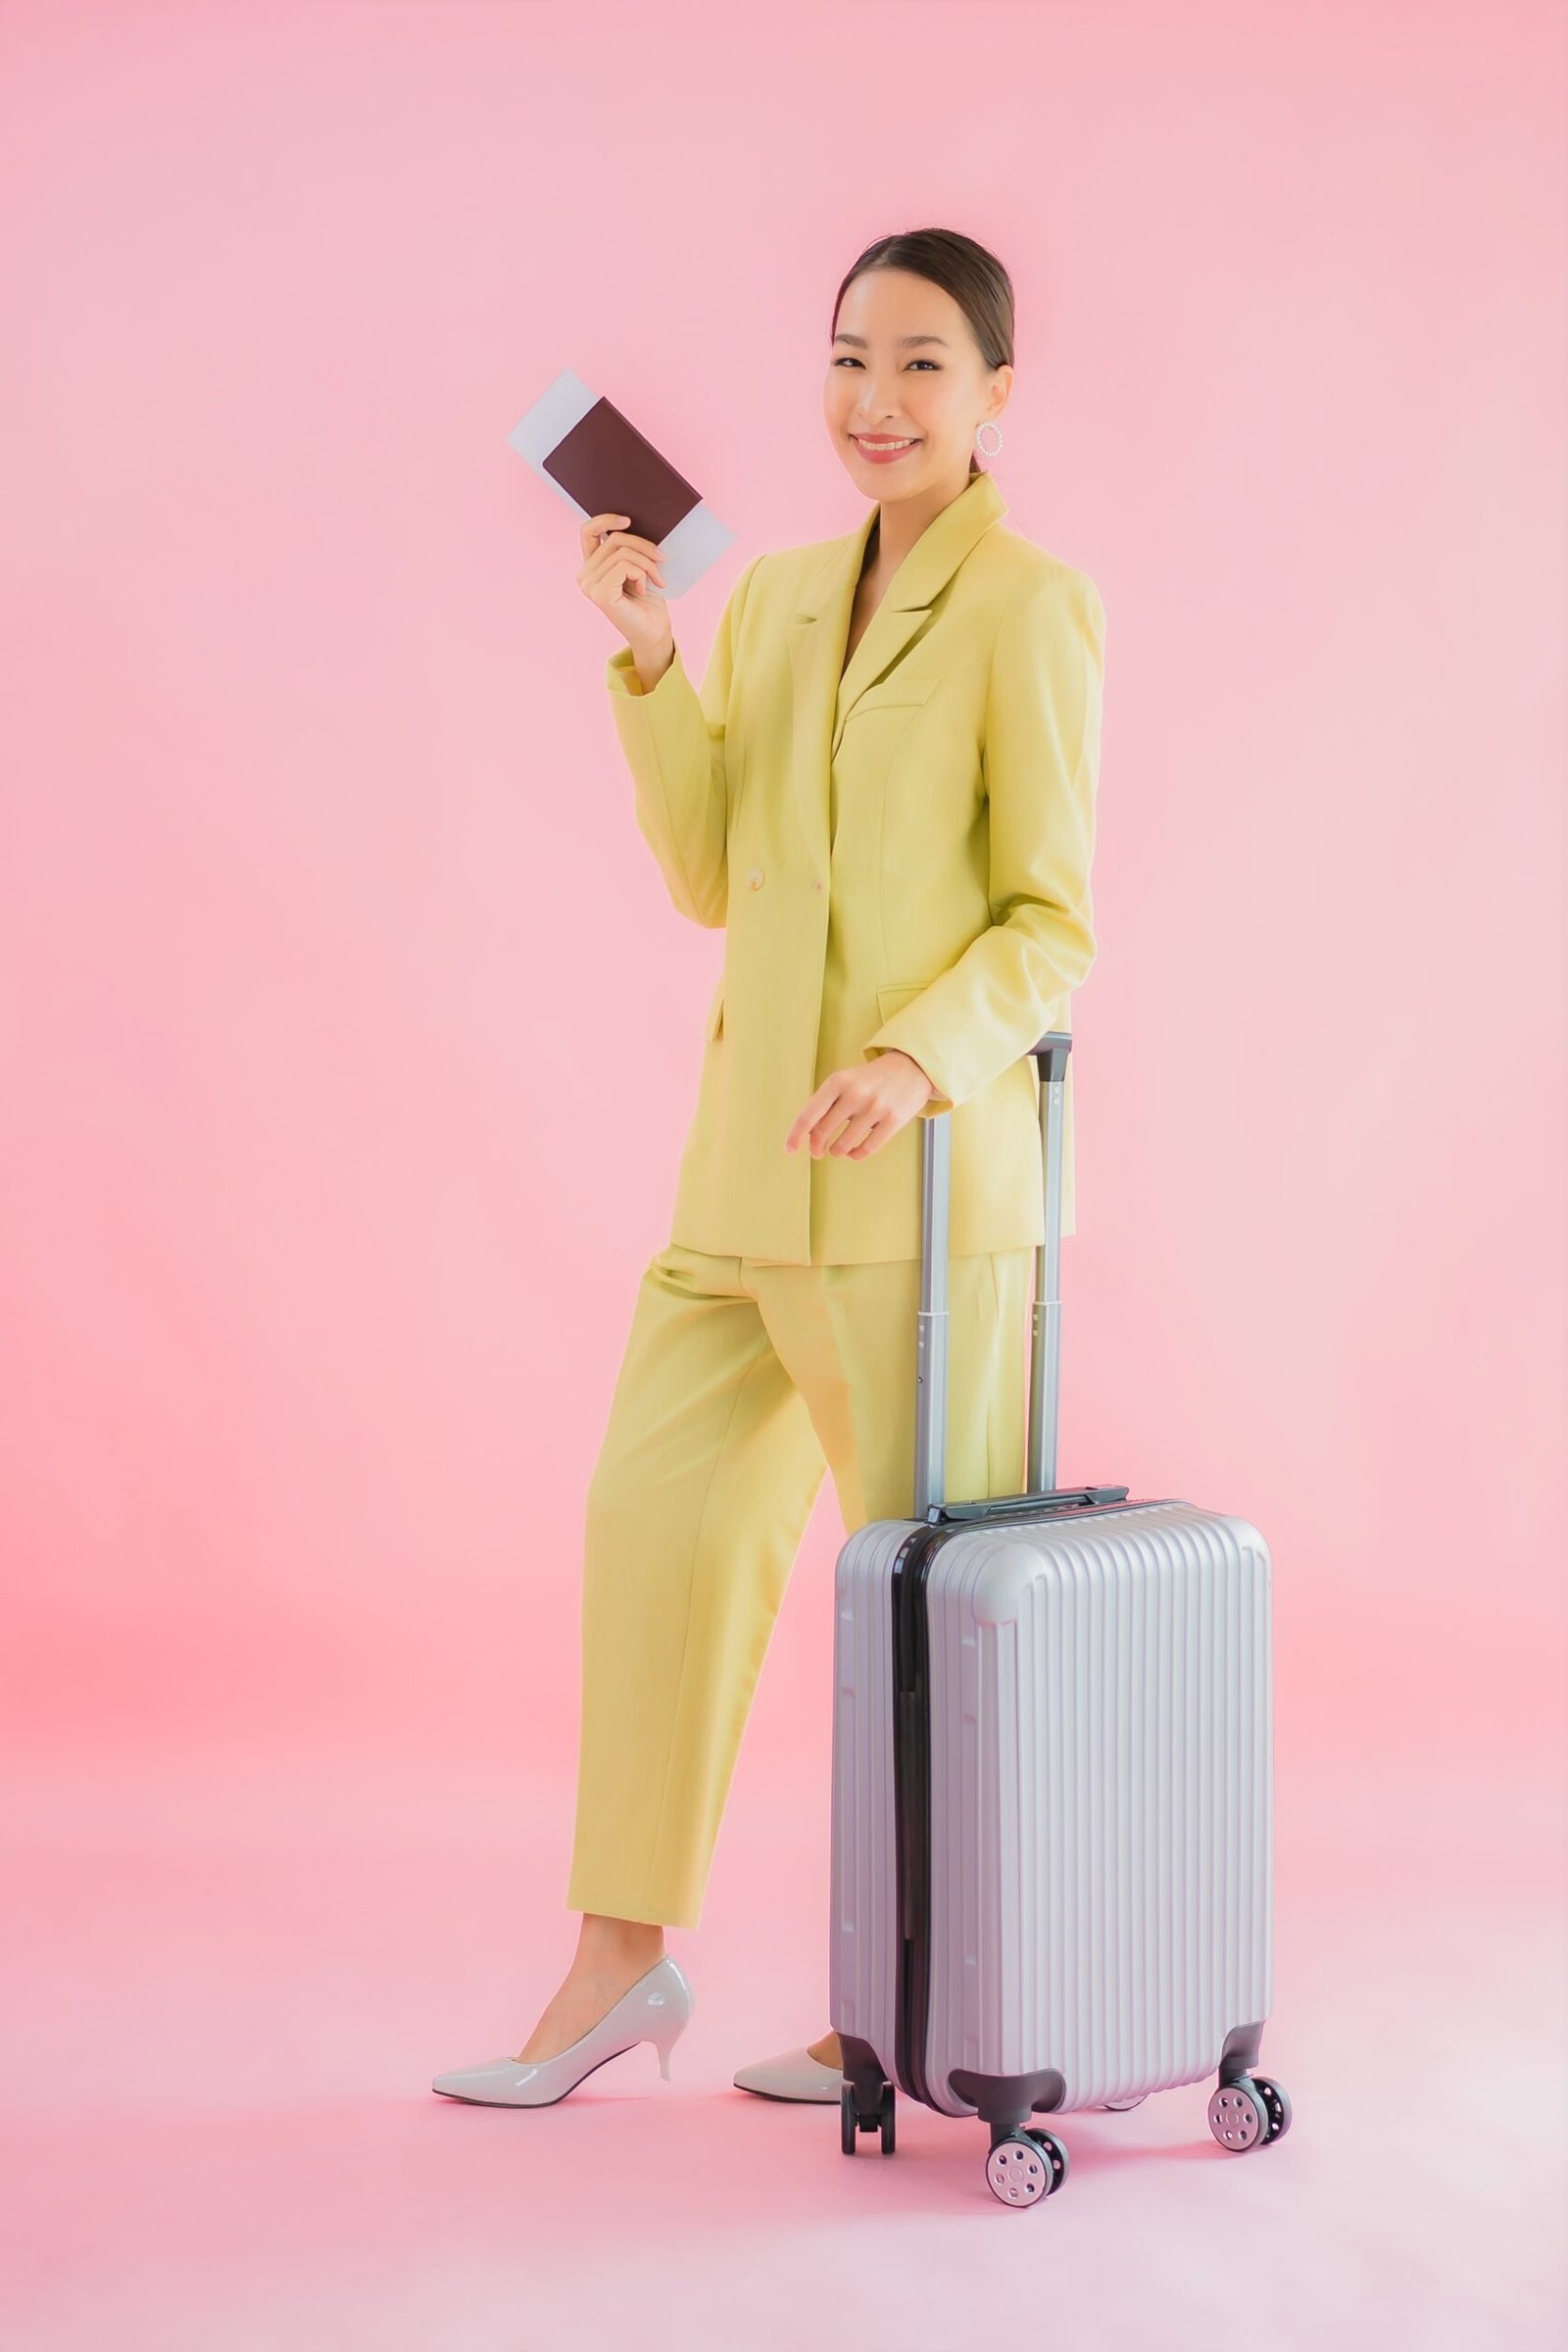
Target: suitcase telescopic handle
(1050, 1056)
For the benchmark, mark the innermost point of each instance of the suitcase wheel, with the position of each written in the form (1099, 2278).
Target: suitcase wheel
(1252, 2112)
(1026, 2166)
(853, 2122)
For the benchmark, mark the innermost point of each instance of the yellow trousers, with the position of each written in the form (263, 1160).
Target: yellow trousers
(743, 1381)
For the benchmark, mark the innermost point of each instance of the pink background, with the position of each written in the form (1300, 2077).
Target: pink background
(349, 1041)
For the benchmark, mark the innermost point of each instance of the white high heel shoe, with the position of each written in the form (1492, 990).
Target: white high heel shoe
(792, 2074)
(657, 2009)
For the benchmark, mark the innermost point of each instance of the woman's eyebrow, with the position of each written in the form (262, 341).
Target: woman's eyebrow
(861, 343)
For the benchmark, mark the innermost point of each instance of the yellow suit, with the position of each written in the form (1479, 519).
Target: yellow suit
(899, 859)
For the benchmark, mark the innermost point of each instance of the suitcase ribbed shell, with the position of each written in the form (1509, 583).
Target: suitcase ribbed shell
(1101, 1797)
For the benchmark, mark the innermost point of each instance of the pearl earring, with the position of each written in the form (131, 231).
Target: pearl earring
(990, 426)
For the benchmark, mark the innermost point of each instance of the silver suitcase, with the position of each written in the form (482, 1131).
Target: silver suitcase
(1053, 1840)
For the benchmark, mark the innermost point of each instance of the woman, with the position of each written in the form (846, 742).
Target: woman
(885, 794)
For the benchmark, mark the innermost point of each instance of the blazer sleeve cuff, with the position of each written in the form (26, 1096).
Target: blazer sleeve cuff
(620, 674)
(920, 1051)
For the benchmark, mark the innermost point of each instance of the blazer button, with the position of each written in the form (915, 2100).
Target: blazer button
(755, 877)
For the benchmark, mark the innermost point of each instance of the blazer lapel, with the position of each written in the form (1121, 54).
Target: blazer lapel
(820, 628)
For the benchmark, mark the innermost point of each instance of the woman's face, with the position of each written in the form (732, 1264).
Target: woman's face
(904, 367)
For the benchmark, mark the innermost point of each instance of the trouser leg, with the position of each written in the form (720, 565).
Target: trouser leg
(705, 1482)
(742, 1380)
(847, 1337)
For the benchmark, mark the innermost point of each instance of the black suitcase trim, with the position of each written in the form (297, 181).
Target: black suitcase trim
(911, 1805)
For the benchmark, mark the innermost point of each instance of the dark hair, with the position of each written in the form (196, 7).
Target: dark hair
(974, 277)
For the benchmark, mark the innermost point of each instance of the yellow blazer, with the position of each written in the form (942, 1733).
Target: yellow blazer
(897, 858)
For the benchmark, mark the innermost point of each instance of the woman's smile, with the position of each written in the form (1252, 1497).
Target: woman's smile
(881, 451)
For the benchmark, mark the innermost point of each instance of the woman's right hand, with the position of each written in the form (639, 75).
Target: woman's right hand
(621, 574)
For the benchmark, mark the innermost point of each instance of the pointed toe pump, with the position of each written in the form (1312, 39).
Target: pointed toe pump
(655, 2009)
(792, 2074)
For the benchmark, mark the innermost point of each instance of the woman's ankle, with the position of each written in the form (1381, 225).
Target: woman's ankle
(618, 1943)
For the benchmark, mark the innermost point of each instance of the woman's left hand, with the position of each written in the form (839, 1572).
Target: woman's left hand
(870, 1102)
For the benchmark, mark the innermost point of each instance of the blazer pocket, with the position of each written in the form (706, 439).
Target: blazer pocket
(894, 694)
(889, 999)
(715, 1016)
